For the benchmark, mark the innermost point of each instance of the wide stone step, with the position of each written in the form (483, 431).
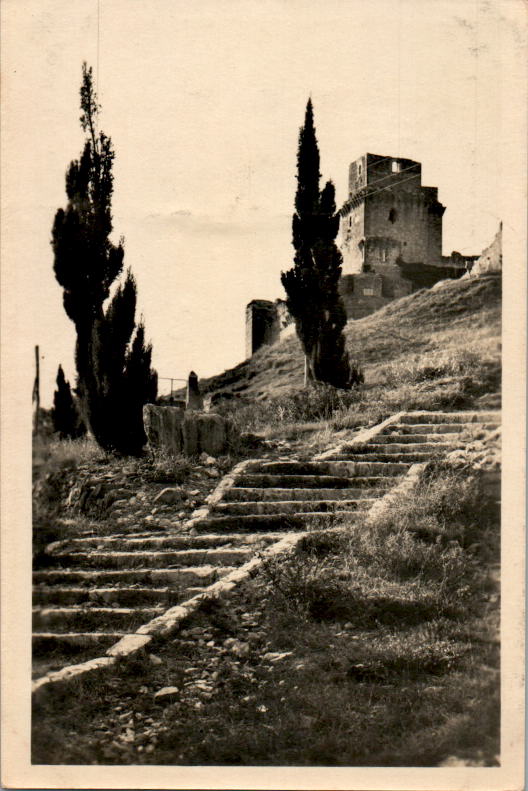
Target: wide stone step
(205, 574)
(85, 619)
(44, 643)
(371, 487)
(292, 506)
(122, 597)
(179, 542)
(315, 469)
(418, 438)
(451, 417)
(130, 560)
(292, 522)
(404, 458)
(397, 448)
(381, 469)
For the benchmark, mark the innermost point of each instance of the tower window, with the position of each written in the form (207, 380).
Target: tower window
(393, 215)
(396, 167)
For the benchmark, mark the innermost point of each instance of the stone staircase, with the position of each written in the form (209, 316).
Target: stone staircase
(99, 588)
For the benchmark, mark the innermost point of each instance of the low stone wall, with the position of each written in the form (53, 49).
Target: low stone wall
(190, 433)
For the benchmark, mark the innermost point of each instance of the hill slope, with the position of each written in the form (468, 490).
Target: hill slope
(447, 334)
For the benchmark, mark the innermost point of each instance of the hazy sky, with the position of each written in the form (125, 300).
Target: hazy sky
(203, 102)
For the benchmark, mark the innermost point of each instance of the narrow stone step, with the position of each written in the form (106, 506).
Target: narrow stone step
(182, 541)
(47, 642)
(292, 506)
(451, 417)
(287, 522)
(85, 619)
(122, 597)
(186, 557)
(205, 574)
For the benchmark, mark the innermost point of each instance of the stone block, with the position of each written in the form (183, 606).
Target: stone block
(163, 427)
(191, 433)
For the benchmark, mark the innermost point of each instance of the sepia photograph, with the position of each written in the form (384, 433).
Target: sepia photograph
(260, 364)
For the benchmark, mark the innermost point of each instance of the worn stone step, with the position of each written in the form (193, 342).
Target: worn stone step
(205, 574)
(404, 458)
(411, 439)
(432, 430)
(397, 448)
(44, 643)
(179, 542)
(85, 619)
(123, 597)
(372, 487)
(292, 506)
(283, 521)
(314, 469)
(382, 469)
(185, 557)
(451, 417)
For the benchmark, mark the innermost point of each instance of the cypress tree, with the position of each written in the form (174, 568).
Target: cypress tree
(86, 264)
(312, 284)
(66, 419)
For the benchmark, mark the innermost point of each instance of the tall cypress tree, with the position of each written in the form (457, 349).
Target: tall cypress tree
(312, 284)
(86, 264)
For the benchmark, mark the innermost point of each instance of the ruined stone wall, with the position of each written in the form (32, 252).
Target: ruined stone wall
(490, 261)
(262, 325)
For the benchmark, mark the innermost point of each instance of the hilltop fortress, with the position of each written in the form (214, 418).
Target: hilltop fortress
(391, 242)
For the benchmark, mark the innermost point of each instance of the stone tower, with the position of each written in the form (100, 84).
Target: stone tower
(389, 217)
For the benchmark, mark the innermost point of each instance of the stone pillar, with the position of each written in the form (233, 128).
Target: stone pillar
(194, 400)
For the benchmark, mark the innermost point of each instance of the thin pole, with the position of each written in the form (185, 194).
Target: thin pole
(36, 389)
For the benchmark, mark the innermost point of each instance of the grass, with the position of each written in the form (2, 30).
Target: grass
(375, 646)
(435, 349)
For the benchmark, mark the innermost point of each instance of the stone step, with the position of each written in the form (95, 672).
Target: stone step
(163, 559)
(205, 575)
(181, 541)
(450, 431)
(292, 506)
(122, 597)
(315, 469)
(404, 458)
(397, 448)
(409, 438)
(451, 417)
(292, 522)
(255, 480)
(371, 487)
(48, 642)
(85, 619)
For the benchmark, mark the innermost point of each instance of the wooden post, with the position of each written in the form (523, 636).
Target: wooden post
(36, 390)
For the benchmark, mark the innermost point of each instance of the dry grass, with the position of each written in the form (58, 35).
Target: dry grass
(387, 645)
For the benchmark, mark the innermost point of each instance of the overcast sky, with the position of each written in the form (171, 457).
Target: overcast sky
(203, 102)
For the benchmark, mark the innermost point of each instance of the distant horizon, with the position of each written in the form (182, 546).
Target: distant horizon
(203, 105)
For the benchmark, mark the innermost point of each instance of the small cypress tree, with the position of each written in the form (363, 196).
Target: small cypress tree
(66, 419)
(312, 284)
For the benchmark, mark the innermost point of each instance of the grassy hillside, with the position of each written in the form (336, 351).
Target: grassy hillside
(430, 324)
(438, 348)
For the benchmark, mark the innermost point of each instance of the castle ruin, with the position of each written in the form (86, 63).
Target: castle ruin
(391, 243)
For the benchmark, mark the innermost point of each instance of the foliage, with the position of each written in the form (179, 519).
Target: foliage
(312, 284)
(114, 378)
(67, 422)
